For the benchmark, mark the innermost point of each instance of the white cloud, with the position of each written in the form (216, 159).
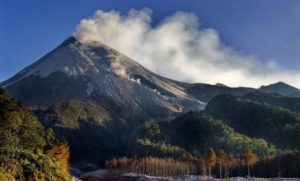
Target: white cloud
(179, 48)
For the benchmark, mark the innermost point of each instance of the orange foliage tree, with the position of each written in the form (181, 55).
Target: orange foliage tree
(211, 160)
(150, 166)
(62, 154)
(251, 158)
(221, 160)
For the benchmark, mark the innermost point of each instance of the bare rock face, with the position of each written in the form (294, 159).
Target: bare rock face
(99, 73)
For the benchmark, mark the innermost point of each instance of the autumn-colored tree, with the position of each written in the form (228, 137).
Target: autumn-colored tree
(221, 160)
(201, 164)
(210, 160)
(151, 166)
(27, 150)
(250, 158)
(227, 162)
(61, 153)
(193, 160)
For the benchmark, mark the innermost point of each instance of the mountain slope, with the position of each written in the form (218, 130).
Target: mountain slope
(280, 88)
(90, 130)
(193, 132)
(96, 71)
(274, 99)
(278, 126)
(206, 92)
(198, 131)
(94, 96)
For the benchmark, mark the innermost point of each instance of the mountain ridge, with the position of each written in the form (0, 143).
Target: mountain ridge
(281, 88)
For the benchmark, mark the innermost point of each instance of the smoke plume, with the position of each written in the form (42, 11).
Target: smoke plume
(179, 48)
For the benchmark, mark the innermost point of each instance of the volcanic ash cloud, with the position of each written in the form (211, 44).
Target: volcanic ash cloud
(179, 48)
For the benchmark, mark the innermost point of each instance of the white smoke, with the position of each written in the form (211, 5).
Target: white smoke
(179, 48)
(120, 69)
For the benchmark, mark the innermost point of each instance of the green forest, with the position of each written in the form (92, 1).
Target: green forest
(28, 151)
(233, 136)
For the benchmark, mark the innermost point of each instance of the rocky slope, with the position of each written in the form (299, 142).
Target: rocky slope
(98, 72)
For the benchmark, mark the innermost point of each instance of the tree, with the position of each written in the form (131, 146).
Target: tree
(61, 153)
(151, 166)
(26, 153)
(251, 159)
(221, 158)
(210, 159)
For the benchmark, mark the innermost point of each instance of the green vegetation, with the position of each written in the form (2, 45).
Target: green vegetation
(274, 99)
(248, 149)
(27, 150)
(84, 124)
(87, 128)
(233, 124)
(198, 131)
(70, 113)
(278, 126)
(57, 87)
(144, 147)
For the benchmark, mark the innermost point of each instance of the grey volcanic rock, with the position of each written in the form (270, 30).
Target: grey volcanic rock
(97, 72)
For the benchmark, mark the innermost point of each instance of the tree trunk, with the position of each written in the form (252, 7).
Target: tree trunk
(248, 169)
(220, 165)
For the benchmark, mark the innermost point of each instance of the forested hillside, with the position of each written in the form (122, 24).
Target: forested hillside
(277, 125)
(28, 151)
(229, 124)
(275, 99)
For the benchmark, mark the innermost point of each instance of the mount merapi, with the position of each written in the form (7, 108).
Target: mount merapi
(99, 73)
(97, 98)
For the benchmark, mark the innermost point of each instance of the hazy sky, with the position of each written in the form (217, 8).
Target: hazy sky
(264, 30)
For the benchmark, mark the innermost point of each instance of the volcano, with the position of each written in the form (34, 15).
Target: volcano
(98, 73)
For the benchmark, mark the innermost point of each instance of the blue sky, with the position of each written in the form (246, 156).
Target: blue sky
(268, 29)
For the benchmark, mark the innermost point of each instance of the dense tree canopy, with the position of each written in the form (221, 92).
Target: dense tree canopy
(277, 125)
(26, 147)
